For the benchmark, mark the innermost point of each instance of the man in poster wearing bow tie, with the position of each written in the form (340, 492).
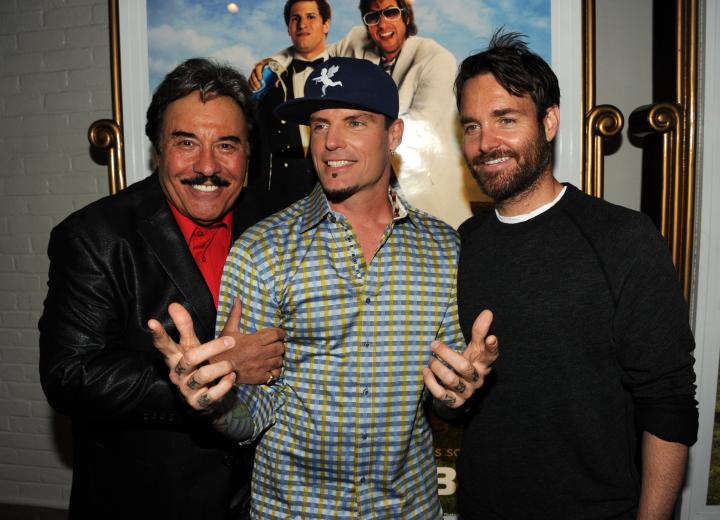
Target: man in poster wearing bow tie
(279, 167)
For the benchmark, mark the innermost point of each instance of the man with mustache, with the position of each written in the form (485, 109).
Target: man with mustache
(280, 167)
(590, 410)
(364, 285)
(138, 453)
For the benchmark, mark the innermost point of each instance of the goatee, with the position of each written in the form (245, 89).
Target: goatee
(340, 195)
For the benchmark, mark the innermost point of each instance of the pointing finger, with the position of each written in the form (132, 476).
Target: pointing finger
(184, 324)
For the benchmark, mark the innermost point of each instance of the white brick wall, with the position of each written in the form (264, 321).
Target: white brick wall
(54, 82)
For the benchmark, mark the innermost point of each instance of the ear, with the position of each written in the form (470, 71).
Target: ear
(326, 27)
(551, 122)
(395, 133)
(154, 159)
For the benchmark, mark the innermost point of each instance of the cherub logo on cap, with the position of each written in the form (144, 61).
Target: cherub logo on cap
(326, 78)
(363, 86)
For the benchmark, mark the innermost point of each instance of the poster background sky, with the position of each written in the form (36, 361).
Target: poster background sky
(181, 29)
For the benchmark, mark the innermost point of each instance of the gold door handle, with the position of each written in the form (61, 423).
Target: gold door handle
(601, 122)
(106, 134)
(665, 119)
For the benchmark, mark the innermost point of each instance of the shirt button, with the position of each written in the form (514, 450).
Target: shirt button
(365, 392)
(362, 480)
(367, 300)
(363, 436)
(366, 344)
(333, 219)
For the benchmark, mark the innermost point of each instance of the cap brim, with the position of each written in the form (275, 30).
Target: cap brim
(299, 110)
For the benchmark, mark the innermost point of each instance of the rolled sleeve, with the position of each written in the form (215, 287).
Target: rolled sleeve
(655, 343)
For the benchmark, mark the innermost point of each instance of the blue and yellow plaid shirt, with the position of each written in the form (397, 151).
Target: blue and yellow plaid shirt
(343, 432)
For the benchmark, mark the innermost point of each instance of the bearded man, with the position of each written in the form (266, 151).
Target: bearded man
(596, 371)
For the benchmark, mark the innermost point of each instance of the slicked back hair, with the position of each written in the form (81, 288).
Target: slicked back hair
(322, 5)
(516, 68)
(408, 15)
(211, 80)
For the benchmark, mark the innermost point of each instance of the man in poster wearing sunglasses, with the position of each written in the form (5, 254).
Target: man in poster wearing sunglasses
(423, 71)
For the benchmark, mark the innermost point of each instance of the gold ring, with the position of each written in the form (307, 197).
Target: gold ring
(271, 378)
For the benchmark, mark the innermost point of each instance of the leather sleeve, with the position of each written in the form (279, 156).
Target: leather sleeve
(96, 355)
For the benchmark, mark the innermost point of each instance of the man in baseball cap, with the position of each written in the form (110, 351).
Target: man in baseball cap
(364, 286)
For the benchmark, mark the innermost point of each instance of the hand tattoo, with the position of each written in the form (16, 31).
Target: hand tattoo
(442, 361)
(460, 387)
(203, 401)
(179, 369)
(192, 384)
(449, 400)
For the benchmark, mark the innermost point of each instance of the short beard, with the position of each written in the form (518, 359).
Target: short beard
(536, 157)
(336, 196)
(200, 179)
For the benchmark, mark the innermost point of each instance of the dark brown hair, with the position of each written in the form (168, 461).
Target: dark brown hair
(516, 68)
(207, 77)
(322, 5)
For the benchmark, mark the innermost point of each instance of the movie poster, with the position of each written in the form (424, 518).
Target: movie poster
(428, 165)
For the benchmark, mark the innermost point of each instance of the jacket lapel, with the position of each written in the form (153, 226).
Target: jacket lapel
(164, 239)
(405, 60)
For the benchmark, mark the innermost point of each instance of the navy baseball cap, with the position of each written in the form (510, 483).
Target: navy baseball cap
(343, 83)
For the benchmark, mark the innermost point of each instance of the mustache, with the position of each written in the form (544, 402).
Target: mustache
(478, 160)
(200, 179)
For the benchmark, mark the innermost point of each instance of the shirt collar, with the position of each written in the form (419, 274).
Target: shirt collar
(317, 207)
(188, 226)
(529, 216)
(388, 65)
(322, 56)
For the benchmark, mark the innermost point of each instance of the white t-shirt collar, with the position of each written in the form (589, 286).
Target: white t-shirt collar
(516, 219)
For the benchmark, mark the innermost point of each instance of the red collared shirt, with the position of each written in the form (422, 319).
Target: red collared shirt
(209, 246)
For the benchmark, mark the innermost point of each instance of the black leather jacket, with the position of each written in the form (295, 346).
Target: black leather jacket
(139, 450)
